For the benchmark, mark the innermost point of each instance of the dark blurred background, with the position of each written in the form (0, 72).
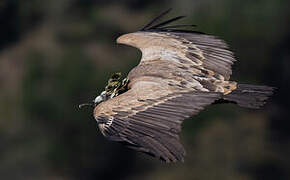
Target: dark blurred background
(57, 54)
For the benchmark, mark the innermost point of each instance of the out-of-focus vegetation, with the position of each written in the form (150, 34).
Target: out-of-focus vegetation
(57, 54)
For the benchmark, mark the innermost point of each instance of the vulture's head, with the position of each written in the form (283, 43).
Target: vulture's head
(101, 98)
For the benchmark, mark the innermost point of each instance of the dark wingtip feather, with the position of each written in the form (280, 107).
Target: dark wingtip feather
(161, 27)
(147, 26)
(167, 22)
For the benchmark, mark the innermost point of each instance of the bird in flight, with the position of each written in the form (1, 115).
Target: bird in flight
(180, 73)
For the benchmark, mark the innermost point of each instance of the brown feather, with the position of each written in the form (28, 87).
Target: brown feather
(179, 74)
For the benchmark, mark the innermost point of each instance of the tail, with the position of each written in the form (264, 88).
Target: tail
(249, 96)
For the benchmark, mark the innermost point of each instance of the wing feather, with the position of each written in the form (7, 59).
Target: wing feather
(154, 128)
(203, 50)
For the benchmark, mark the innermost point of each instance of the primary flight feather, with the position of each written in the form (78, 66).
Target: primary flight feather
(180, 72)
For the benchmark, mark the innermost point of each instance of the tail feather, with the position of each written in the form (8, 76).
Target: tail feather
(249, 96)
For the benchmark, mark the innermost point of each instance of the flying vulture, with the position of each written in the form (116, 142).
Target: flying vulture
(180, 73)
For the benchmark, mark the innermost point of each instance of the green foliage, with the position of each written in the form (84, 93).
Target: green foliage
(116, 86)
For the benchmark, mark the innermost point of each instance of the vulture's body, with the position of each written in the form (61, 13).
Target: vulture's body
(179, 74)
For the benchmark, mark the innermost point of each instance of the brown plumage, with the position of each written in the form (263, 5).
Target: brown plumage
(180, 73)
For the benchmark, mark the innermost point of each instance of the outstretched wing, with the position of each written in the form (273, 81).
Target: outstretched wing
(163, 41)
(196, 51)
(179, 74)
(148, 118)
